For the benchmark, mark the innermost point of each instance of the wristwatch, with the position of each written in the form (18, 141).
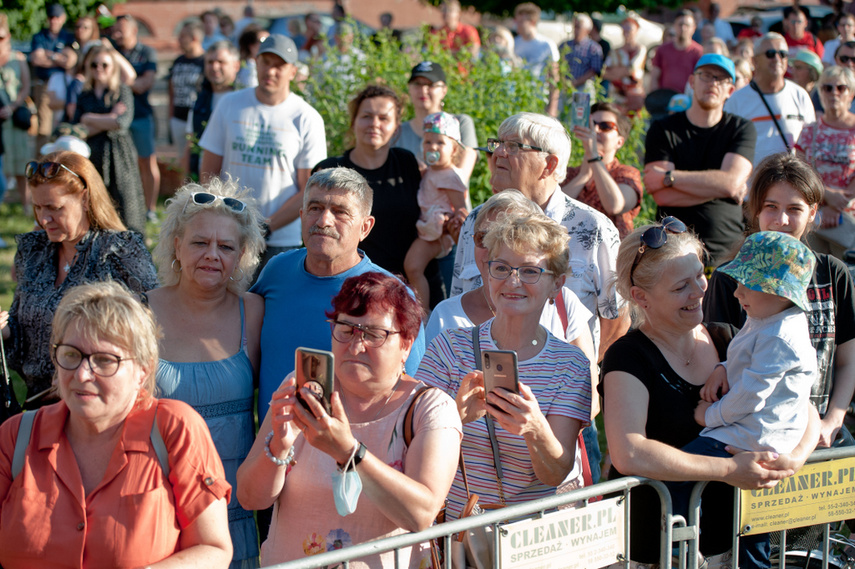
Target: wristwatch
(668, 180)
(360, 454)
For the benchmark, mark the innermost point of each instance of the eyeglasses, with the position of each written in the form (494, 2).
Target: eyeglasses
(100, 363)
(656, 237)
(846, 59)
(710, 78)
(478, 238)
(511, 147)
(49, 171)
(344, 332)
(528, 274)
(604, 126)
(771, 53)
(832, 88)
(205, 198)
(99, 64)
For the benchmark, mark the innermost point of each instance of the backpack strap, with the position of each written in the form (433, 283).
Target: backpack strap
(159, 446)
(25, 429)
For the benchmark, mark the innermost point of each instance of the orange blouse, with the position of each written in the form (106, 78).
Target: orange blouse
(134, 517)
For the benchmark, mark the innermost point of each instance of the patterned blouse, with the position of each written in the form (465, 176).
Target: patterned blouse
(101, 255)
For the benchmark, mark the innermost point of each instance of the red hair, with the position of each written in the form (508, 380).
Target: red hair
(375, 291)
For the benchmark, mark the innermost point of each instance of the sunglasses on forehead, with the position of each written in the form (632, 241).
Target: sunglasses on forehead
(205, 198)
(49, 171)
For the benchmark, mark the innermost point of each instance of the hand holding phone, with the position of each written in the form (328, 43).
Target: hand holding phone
(500, 370)
(314, 371)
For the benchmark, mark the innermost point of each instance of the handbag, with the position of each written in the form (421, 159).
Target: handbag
(22, 118)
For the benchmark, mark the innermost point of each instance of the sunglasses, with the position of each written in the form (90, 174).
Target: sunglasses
(604, 126)
(833, 88)
(99, 64)
(205, 198)
(655, 237)
(845, 59)
(771, 53)
(49, 171)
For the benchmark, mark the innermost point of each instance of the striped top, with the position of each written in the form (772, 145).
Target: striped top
(560, 378)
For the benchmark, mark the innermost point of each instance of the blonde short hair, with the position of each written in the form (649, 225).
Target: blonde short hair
(108, 311)
(535, 233)
(181, 209)
(510, 203)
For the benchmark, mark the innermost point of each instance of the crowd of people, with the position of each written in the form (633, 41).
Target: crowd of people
(718, 341)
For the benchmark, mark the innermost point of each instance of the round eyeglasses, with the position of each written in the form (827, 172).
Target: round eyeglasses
(101, 363)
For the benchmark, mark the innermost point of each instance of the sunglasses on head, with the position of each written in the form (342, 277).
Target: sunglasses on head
(604, 126)
(49, 171)
(655, 237)
(205, 198)
(832, 88)
(771, 53)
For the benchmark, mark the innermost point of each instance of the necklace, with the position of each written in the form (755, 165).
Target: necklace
(487, 300)
(688, 361)
(389, 398)
(67, 266)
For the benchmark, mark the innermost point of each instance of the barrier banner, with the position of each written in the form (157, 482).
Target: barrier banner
(819, 493)
(587, 538)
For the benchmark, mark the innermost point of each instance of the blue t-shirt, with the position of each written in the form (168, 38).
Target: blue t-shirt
(294, 305)
(142, 58)
(44, 40)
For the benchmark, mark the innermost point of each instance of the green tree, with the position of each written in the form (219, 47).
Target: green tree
(27, 17)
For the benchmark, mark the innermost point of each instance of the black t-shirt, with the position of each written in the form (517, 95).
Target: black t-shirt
(395, 210)
(831, 317)
(670, 420)
(717, 222)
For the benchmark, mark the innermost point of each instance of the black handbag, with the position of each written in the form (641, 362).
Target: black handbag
(22, 118)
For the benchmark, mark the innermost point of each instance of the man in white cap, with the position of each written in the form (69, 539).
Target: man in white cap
(269, 139)
(698, 161)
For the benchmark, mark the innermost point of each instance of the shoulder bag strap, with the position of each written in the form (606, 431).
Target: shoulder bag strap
(159, 446)
(25, 429)
(771, 114)
(409, 416)
(491, 428)
(562, 312)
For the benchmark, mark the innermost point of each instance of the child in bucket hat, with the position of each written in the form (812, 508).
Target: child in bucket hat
(443, 191)
(759, 399)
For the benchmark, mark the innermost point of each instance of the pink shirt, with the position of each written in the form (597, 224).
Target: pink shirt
(676, 65)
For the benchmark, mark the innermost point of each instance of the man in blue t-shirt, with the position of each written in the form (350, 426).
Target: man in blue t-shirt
(298, 285)
(47, 58)
(144, 61)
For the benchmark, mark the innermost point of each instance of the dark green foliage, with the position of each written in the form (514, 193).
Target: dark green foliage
(26, 17)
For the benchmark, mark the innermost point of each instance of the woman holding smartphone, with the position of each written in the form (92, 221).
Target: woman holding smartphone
(310, 465)
(536, 428)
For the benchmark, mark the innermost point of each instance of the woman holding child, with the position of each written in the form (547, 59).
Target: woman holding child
(652, 380)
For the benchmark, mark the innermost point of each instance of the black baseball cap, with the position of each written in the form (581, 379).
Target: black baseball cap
(428, 70)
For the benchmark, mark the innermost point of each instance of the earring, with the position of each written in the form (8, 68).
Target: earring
(551, 300)
(240, 278)
(173, 265)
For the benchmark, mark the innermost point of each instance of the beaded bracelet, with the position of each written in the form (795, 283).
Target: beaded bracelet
(289, 458)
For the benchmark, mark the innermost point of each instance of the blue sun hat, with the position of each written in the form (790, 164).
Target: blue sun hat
(443, 123)
(774, 263)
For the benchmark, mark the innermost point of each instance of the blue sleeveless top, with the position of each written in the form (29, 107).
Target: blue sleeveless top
(222, 391)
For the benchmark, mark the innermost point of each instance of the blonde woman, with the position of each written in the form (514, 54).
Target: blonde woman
(106, 109)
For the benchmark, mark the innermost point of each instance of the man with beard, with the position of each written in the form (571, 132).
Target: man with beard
(698, 161)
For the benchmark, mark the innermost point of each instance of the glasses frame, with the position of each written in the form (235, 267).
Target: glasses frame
(655, 237)
(87, 358)
(771, 53)
(491, 264)
(609, 126)
(35, 167)
(362, 331)
(832, 88)
(846, 59)
(233, 204)
(710, 78)
(493, 145)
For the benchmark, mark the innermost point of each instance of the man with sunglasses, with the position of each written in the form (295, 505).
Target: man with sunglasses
(778, 107)
(698, 161)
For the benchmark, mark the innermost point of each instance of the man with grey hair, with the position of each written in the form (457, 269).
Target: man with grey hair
(531, 155)
(584, 56)
(778, 107)
(298, 285)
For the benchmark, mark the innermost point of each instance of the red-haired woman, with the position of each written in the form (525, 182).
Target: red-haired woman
(374, 321)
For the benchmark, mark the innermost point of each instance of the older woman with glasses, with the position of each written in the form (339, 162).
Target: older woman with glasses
(105, 108)
(385, 433)
(110, 476)
(81, 239)
(209, 246)
(533, 432)
(651, 385)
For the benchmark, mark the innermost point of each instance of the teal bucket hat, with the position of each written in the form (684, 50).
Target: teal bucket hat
(774, 263)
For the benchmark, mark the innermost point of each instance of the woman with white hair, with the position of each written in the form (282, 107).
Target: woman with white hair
(208, 250)
(820, 146)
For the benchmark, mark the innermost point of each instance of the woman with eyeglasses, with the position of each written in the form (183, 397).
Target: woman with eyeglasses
(81, 239)
(651, 385)
(209, 247)
(601, 181)
(534, 431)
(109, 476)
(829, 146)
(379, 462)
(106, 108)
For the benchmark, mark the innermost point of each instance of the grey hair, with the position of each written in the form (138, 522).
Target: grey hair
(543, 131)
(506, 202)
(768, 37)
(585, 20)
(842, 73)
(180, 209)
(224, 45)
(343, 180)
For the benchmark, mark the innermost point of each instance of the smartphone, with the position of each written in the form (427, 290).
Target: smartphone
(500, 370)
(580, 109)
(314, 370)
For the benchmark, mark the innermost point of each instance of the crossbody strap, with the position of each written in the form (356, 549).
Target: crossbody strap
(491, 428)
(159, 446)
(25, 429)
(771, 114)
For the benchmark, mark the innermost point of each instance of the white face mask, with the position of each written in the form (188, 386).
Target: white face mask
(347, 486)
